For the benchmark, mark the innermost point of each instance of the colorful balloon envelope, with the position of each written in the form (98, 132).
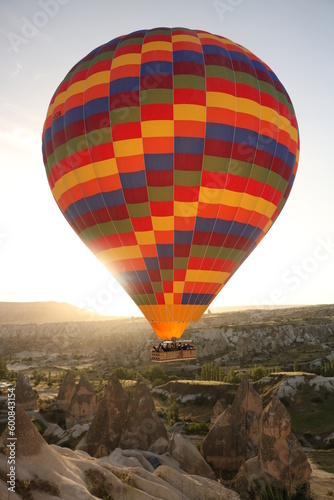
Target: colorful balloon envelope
(171, 152)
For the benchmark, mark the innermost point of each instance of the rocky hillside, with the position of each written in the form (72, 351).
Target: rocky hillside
(274, 337)
(280, 336)
(308, 397)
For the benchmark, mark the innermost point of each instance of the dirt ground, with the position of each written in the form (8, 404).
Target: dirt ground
(322, 483)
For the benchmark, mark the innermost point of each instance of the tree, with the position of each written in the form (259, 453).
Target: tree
(173, 409)
(211, 371)
(257, 373)
(232, 377)
(155, 372)
(123, 373)
(38, 376)
(3, 367)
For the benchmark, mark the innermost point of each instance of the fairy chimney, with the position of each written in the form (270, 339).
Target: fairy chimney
(83, 406)
(143, 426)
(66, 391)
(24, 393)
(281, 460)
(233, 439)
(105, 431)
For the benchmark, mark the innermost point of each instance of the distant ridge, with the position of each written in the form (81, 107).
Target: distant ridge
(264, 307)
(20, 313)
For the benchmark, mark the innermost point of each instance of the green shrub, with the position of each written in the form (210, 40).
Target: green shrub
(257, 373)
(157, 381)
(275, 491)
(3, 368)
(197, 428)
(98, 485)
(317, 399)
(39, 425)
(123, 373)
(173, 410)
(155, 372)
(232, 377)
(330, 444)
(200, 400)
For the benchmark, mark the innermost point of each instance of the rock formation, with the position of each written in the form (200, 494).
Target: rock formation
(142, 425)
(28, 440)
(160, 446)
(194, 487)
(233, 439)
(56, 435)
(124, 422)
(105, 431)
(188, 456)
(24, 393)
(66, 391)
(281, 459)
(217, 410)
(83, 405)
(49, 471)
(280, 453)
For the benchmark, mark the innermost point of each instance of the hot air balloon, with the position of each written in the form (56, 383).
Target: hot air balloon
(171, 152)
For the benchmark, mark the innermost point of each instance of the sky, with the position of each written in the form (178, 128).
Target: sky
(42, 259)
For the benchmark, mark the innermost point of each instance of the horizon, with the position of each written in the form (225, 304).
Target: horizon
(93, 314)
